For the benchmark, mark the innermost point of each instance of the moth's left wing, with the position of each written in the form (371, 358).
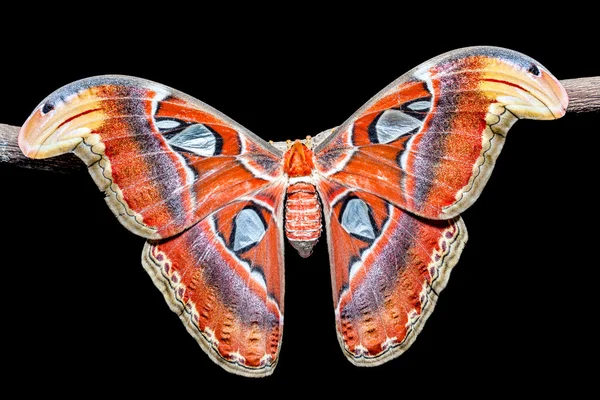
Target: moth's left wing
(206, 192)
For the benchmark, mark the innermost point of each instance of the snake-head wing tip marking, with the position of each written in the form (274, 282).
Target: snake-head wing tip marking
(521, 83)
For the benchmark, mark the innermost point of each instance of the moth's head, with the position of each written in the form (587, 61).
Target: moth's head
(60, 122)
(520, 83)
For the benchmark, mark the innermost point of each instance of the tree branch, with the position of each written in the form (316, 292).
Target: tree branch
(584, 96)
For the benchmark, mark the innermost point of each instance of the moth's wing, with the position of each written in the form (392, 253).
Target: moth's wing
(428, 142)
(164, 159)
(204, 190)
(396, 175)
(387, 267)
(224, 278)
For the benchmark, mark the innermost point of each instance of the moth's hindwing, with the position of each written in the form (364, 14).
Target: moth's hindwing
(224, 278)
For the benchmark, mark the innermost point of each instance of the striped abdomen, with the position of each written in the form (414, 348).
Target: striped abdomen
(302, 217)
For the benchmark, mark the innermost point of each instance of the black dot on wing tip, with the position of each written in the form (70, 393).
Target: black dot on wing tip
(46, 108)
(534, 70)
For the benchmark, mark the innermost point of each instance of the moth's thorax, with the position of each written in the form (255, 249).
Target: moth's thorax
(298, 160)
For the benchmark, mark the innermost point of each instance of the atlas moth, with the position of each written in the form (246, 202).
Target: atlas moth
(214, 201)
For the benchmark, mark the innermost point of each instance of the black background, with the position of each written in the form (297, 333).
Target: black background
(80, 315)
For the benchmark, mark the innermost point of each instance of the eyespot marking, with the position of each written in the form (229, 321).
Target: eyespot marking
(47, 107)
(393, 124)
(534, 70)
(249, 229)
(198, 139)
(355, 219)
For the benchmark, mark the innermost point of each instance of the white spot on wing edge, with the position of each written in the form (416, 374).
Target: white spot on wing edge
(360, 350)
(266, 359)
(389, 342)
(237, 357)
(211, 337)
